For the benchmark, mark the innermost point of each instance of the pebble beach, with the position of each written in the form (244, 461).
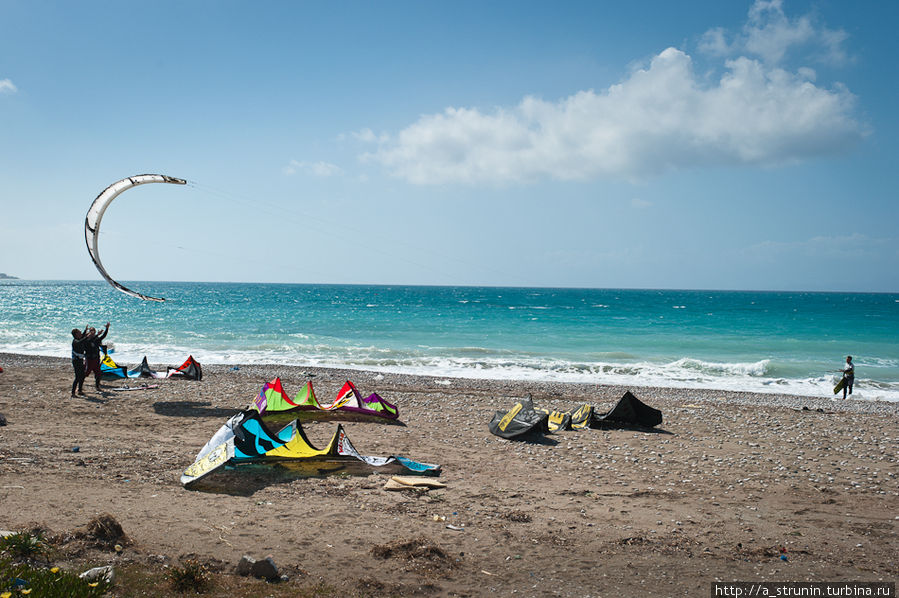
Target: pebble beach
(731, 486)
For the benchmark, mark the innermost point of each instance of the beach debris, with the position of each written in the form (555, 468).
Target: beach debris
(2, 420)
(106, 532)
(246, 445)
(95, 215)
(455, 528)
(142, 387)
(105, 573)
(412, 483)
(265, 569)
(273, 403)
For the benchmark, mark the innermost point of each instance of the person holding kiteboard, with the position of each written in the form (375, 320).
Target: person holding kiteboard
(848, 379)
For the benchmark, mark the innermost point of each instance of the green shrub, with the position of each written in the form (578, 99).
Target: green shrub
(46, 583)
(24, 545)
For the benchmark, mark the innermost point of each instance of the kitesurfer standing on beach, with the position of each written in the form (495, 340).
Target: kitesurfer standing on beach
(92, 353)
(848, 376)
(79, 341)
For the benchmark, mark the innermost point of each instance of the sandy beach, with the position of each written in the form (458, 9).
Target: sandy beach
(724, 488)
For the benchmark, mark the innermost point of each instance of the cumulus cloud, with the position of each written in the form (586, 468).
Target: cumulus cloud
(771, 35)
(320, 169)
(7, 86)
(660, 118)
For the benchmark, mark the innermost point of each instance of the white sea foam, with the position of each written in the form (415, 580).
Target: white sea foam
(481, 363)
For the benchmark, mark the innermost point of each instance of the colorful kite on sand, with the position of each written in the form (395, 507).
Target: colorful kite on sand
(244, 445)
(275, 405)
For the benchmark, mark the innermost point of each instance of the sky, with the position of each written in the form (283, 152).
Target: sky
(676, 145)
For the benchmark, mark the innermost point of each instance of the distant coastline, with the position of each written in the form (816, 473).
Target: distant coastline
(4, 276)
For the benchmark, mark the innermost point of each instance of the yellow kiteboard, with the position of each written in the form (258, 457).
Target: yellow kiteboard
(839, 385)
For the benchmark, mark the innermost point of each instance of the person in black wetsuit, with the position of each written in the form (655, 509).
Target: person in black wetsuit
(79, 340)
(92, 353)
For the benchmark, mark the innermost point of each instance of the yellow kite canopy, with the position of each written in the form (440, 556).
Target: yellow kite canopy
(244, 451)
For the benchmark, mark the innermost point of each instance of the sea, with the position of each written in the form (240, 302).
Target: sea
(768, 342)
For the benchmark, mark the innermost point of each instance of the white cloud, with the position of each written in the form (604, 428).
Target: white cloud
(770, 35)
(320, 169)
(714, 42)
(660, 118)
(7, 86)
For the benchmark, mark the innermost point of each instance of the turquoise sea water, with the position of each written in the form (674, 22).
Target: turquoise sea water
(754, 341)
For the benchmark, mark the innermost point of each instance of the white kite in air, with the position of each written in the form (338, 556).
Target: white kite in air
(95, 214)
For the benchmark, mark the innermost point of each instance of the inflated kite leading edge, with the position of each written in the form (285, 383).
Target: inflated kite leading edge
(95, 214)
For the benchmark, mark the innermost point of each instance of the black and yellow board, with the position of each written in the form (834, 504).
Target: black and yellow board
(839, 385)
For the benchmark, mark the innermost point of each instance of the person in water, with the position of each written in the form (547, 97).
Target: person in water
(79, 342)
(848, 376)
(92, 353)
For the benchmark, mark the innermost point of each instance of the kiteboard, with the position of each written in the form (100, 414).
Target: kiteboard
(144, 387)
(839, 385)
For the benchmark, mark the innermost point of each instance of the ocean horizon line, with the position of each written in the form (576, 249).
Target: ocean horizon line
(460, 286)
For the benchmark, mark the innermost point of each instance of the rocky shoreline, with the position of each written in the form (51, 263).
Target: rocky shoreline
(725, 487)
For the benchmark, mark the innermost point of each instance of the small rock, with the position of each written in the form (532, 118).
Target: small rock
(245, 566)
(266, 570)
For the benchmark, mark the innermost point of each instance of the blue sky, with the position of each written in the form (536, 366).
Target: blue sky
(725, 145)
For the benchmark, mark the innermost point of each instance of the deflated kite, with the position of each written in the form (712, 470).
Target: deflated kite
(95, 214)
(524, 421)
(274, 404)
(244, 448)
